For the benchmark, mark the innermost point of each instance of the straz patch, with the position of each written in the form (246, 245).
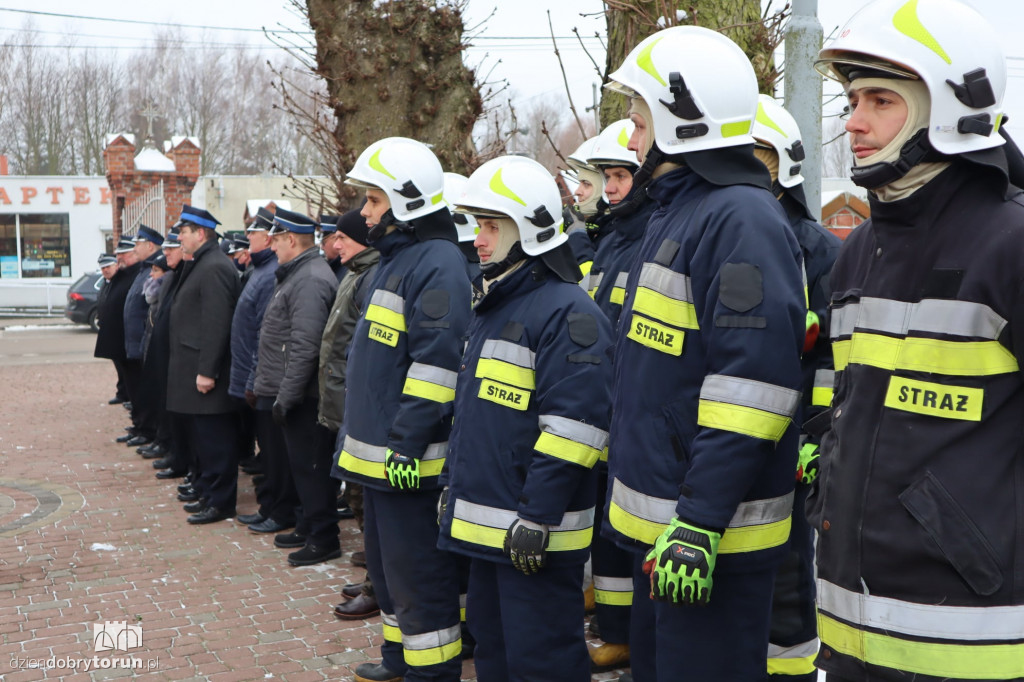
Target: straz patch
(935, 400)
(503, 394)
(385, 335)
(657, 336)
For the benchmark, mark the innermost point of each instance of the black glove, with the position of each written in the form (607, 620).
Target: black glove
(279, 412)
(526, 544)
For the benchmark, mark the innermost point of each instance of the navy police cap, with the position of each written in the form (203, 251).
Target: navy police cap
(290, 221)
(106, 260)
(148, 234)
(124, 245)
(263, 222)
(328, 223)
(198, 216)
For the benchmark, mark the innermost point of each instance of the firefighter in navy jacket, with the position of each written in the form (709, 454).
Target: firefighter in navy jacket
(531, 420)
(617, 245)
(401, 383)
(702, 448)
(919, 506)
(793, 644)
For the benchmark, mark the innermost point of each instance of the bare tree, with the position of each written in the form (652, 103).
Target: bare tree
(836, 157)
(97, 107)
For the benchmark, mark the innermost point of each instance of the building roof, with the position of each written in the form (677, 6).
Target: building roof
(150, 159)
(253, 205)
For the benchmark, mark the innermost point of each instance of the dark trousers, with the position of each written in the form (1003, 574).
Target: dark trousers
(121, 391)
(527, 628)
(725, 640)
(140, 412)
(182, 458)
(421, 583)
(310, 449)
(793, 642)
(211, 439)
(276, 494)
(613, 575)
(246, 430)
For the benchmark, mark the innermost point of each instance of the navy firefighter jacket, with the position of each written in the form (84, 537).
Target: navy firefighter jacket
(404, 355)
(707, 372)
(532, 409)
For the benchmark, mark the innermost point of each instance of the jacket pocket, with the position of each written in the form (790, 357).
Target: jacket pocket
(680, 428)
(956, 535)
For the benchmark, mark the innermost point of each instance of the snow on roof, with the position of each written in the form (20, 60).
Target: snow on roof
(113, 136)
(178, 139)
(152, 160)
(253, 205)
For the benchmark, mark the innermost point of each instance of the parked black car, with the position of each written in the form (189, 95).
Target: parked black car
(82, 296)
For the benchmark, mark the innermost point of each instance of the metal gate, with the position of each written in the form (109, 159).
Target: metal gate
(147, 210)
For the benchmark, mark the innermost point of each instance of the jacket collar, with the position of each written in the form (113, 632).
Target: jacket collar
(666, 188)
(921, 208)
(363, 260)
(261, 258)
(528, 277)
(390, 244)
(285, 269)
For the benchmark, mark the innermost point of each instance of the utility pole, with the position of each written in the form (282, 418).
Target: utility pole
(803, 92)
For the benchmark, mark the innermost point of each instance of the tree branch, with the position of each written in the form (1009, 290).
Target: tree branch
(565, 79)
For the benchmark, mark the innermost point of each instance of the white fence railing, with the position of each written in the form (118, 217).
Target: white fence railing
(48, 296)
(148, 209)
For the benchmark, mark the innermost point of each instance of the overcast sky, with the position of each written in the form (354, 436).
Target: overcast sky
(511, 37)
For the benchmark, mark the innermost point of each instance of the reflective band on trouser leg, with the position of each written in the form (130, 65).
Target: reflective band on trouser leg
(756, 525)
(613, 591)
(368, 460)
(430, 383)
(753, 408)
(482, 525)
(390, 627)
(792, 660)
(570, 440)
(432, 648)
(945, 661)
(915, 354)
(824, 385)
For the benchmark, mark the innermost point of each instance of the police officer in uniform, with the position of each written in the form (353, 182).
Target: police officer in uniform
(703, 449)
(110, 338)
(401, 384)
(918, 506)
(531, 417)
(136, 311)
(794, 643)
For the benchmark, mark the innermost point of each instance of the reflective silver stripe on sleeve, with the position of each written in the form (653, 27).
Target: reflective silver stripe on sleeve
(432, 640)
(665, 281)
(379, 453)
(644, 506)
(607, 584)
(621, 279)
(825, 378)
(935, 316)
(574, 430)
(389, 300)
(508, 352)
(494, 517)
(803, 650)
(893, 616)
(760, 512)
(432, 374)
(595, 280)
(750, 393)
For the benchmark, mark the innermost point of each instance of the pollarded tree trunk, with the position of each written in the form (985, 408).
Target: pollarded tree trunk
(394, 68)
(630, 21)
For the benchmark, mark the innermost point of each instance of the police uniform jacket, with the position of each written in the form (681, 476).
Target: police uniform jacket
(707, 372)
(136, 310)
(532, 407)
(293, 323)
(404, 355)
(246, 321)
(920, 504)
(200, 329)
(617, 247)
(110, 337)
(349, 304)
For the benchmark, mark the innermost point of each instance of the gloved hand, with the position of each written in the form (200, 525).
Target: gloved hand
(442, 505)
(681, 563)
(807, 464)
(250, 399)
(279, 413)
(526, 544)
(403, 472)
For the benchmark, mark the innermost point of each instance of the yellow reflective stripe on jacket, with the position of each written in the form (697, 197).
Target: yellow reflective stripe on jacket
(388, 309)
(483, 525)
(506, 373)
(938, 659)
(665, 295)
(824, 387)
(430, 383)
(368, 460)
(916, 354)
(432, 648)
(756, 525)
(570, 440)
(753, 408)
(792, 660)
(390, 629)
(613, 591)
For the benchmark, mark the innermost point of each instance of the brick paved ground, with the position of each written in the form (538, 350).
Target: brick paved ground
(88, 535)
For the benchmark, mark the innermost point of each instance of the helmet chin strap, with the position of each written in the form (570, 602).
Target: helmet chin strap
(655, 157)
(916, 150)
(492, 270)
(381, 228)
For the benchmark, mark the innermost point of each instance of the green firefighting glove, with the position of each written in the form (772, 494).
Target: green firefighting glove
(807, 464)
(681, 563)
(403, 472)
(526, 544)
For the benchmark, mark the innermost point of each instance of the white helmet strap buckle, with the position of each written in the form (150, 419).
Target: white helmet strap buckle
(682, 105)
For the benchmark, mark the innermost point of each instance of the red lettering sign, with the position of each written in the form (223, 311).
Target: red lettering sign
(105, 195)
(27, 193)
(54, 191)
(3, 196)
(81, 195)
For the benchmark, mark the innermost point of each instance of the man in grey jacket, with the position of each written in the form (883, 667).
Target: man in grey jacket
(286, 376)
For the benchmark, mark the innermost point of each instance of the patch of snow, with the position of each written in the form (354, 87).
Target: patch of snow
(680, 18)
(102, 547)
(153, 160)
